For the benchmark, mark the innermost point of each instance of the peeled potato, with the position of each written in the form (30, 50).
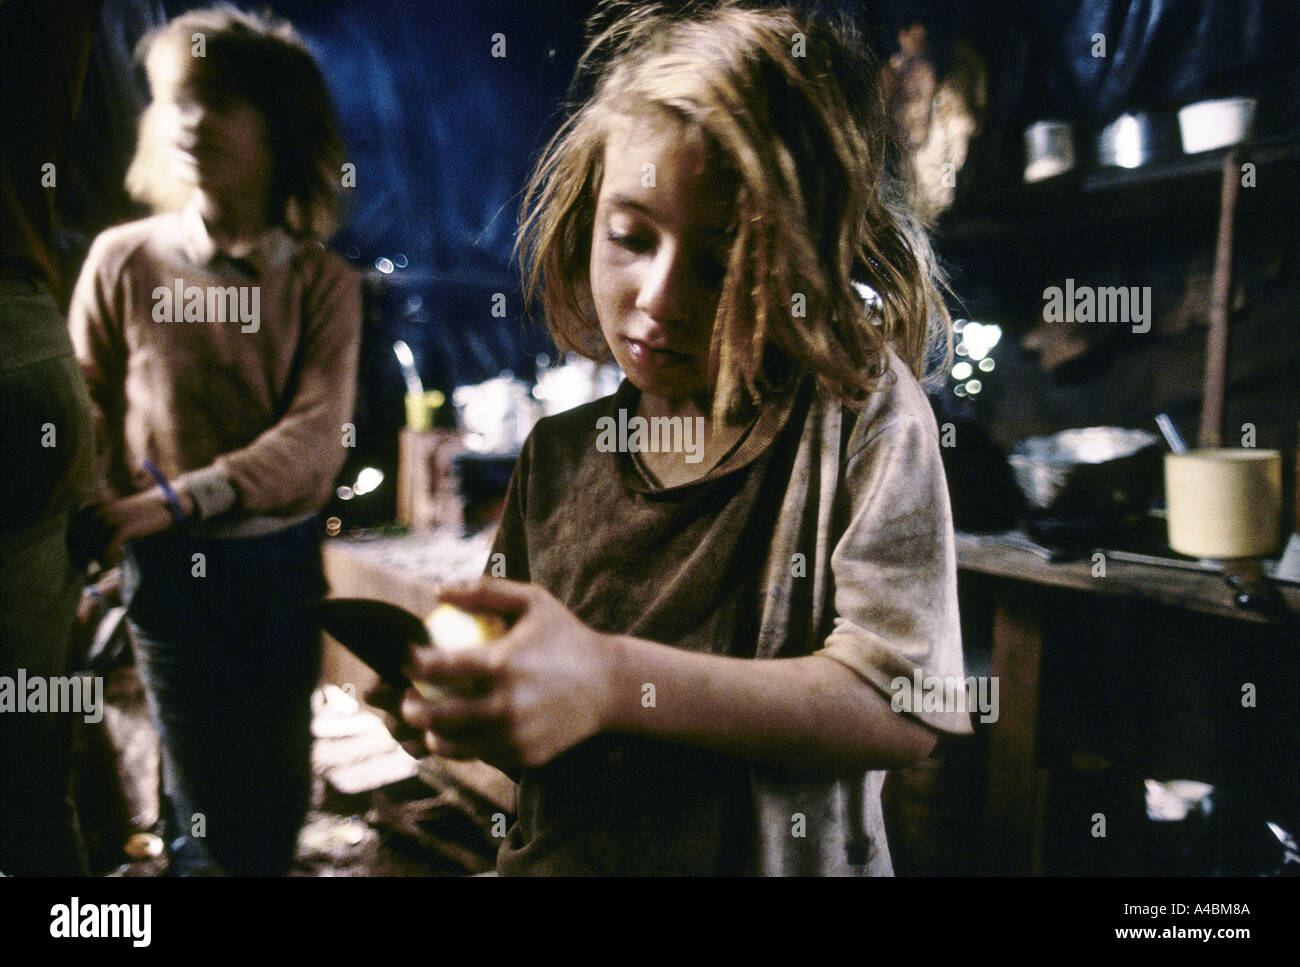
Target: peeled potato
(452, 629)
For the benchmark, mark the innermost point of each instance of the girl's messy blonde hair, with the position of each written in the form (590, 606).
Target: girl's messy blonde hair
(789, 107)
(263, 61)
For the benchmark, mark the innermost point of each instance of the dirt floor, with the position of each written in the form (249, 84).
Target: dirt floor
(377, 812)
(408, 827)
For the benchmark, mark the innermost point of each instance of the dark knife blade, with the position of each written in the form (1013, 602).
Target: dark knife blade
(376, 632)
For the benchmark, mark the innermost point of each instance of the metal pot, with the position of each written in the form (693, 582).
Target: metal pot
(1132, 140)
(1080, 484)
(1049, 150)
(1207, 125)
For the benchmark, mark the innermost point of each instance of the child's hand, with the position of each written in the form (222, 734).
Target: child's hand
(386, 701)
(519, 700)
(97, 532)
(131, 518)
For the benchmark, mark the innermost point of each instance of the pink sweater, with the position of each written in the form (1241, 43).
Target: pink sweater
(236, 377)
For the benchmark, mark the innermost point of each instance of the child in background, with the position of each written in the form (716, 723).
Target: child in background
(219, 342)
(703, 220)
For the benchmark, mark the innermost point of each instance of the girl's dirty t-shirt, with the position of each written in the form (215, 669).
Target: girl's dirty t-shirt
(737, 563)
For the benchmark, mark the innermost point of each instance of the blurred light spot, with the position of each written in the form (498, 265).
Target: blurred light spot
(1128, 141)
(345, 493)
(354, 252)
(413, 305)
(961, 349)
(959, 325)
(869, 295)
(979, 338)
(367, 480)
(961, 371)
(384, 265)
(974, 386)
(960, 389)
(333, 526)
(986, 364)
(400, 260)
(144, 846)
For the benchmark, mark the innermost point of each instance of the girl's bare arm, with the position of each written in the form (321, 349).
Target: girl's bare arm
(553, 682)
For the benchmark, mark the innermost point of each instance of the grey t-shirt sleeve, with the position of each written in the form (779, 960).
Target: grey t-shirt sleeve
(895, 567)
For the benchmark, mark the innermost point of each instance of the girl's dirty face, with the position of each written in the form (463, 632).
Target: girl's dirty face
(659, 253)
(215, 142)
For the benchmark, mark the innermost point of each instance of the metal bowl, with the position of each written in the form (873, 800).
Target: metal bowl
(1097, 473)
(1207, 125)
(1049, 150)
(1132, 140)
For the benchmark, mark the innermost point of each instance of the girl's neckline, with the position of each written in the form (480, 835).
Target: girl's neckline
(756, 439)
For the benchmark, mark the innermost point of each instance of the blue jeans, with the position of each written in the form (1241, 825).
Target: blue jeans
(229, 663)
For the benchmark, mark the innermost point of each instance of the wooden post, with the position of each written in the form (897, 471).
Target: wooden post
(1017, 788)
(1216, 344)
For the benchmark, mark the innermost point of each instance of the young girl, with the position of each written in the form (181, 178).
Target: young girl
(219, 342)
(707, 212)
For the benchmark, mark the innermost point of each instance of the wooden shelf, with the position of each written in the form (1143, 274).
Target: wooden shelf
(1204, 592)
(1096, 194)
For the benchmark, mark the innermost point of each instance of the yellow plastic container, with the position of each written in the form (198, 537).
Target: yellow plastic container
(420, 410)
(1224, 503)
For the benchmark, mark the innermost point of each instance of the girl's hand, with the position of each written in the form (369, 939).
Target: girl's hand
(131, 518)
(97, 533)
(519, 700)
(386, 702)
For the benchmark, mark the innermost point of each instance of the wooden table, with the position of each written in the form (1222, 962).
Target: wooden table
(1012, 601)
(1018, 594)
